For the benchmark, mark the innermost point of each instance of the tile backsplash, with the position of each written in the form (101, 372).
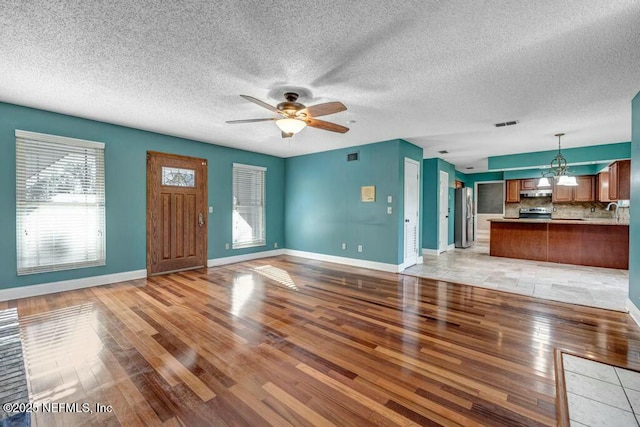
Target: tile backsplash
(573, 210)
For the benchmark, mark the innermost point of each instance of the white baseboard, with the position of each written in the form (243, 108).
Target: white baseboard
(430, 251)
(69, 285)
(634, 312)
(246, 257)
(392, 268)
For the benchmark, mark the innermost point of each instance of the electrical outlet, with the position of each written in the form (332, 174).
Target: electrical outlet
(275, 245)
(389, 199)
(555, 209)
(593, 209)
(226, 246)
(210, 209)
(359, 248)
(344, 246)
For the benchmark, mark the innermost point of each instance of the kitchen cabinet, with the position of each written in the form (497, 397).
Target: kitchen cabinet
(584, 192)
(620, 180)
(602, 187)
(529, 184)
(586, 189)
(512, 195)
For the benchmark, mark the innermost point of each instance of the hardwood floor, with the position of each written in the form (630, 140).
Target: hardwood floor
(288, 341)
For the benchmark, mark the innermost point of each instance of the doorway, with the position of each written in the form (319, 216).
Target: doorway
(411, 211)
(176, 213)
(443, 212)
(489, 204)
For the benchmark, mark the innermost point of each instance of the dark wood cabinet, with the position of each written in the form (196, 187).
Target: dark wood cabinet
(584, 192)
(620, 180)
(602, 187)
(529, 184)
(586, 189)
(512, 194)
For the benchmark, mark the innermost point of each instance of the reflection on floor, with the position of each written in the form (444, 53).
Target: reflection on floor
(590, 286)
(599, 394)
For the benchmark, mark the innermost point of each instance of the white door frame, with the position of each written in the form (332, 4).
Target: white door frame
(443, 210)
(412, 217)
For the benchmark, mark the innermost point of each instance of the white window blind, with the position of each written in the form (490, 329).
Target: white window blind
(59, 203)
(248, 206)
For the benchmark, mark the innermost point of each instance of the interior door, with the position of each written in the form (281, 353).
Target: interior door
(176, 213)
(411, 211)
(443, 214)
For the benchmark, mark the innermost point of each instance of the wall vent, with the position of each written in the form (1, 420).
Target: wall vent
(351, 157)
(443, 152)
(511, 123)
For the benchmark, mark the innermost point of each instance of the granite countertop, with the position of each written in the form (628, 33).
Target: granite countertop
(585, 221)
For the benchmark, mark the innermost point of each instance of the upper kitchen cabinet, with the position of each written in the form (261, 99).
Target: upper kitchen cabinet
(529, 184)
(586, 189)
(620, 180)
(602, 187)
(584, 192)
(512, 195)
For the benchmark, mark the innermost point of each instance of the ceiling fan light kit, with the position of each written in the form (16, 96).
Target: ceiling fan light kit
(291, 125)
(295, 116)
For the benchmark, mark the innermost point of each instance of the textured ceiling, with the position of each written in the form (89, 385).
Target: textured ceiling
(438, 74)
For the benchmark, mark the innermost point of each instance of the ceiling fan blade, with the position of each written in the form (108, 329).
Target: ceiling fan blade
(323, 109)
(233, 122)
(321, 124)
(263, 104)
(287, 135)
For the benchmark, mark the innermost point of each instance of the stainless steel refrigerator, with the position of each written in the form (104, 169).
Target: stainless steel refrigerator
(463, 218)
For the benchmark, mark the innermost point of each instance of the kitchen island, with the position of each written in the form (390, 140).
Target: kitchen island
(592, 242)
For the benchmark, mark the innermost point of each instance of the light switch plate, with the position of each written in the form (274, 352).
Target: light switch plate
(389, 199)
(389, 210)
(210, 209)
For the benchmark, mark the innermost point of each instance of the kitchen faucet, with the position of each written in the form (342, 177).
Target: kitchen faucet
(617, 209)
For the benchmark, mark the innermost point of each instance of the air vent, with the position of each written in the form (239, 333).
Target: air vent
(352, 157)
(470, 167)
(511, 123)
(443, 152)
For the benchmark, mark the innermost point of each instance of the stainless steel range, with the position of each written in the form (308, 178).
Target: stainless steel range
(533, 213)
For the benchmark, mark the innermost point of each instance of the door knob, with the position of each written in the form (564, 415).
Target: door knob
(200, 219)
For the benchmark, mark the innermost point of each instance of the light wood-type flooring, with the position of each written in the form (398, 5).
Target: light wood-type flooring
(288, 341)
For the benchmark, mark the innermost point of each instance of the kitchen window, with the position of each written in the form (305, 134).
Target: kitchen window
(60, 203)
(248, 206)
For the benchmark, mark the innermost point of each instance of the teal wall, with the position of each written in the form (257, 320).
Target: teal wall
(323, 207)
(594, 153)
(431, 201)
(125, 182)
(634, 226)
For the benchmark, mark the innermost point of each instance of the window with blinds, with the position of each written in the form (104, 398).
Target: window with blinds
(60, 220)
(248, 206)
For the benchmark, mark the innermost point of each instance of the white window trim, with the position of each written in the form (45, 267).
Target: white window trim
(23, 269)
(264, 207)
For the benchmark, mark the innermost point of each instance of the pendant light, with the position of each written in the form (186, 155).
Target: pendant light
(558, 169)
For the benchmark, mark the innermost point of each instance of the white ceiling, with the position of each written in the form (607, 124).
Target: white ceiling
(438, 74)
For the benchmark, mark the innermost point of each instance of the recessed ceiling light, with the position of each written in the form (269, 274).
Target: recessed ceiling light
(443, 152)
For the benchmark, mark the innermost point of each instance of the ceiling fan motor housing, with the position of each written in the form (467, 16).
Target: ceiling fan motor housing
(290, 106)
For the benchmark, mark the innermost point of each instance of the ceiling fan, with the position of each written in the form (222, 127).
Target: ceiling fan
(295, 116)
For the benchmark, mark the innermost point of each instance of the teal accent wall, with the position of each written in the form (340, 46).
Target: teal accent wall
(431, 201)
(323, 207)
(125, 182)
(594, 153)
(634, 225)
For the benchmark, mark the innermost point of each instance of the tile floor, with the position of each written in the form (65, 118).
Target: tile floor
(591, 286)
(600, 394)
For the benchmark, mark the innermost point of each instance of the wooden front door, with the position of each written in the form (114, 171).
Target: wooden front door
(176, 213)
